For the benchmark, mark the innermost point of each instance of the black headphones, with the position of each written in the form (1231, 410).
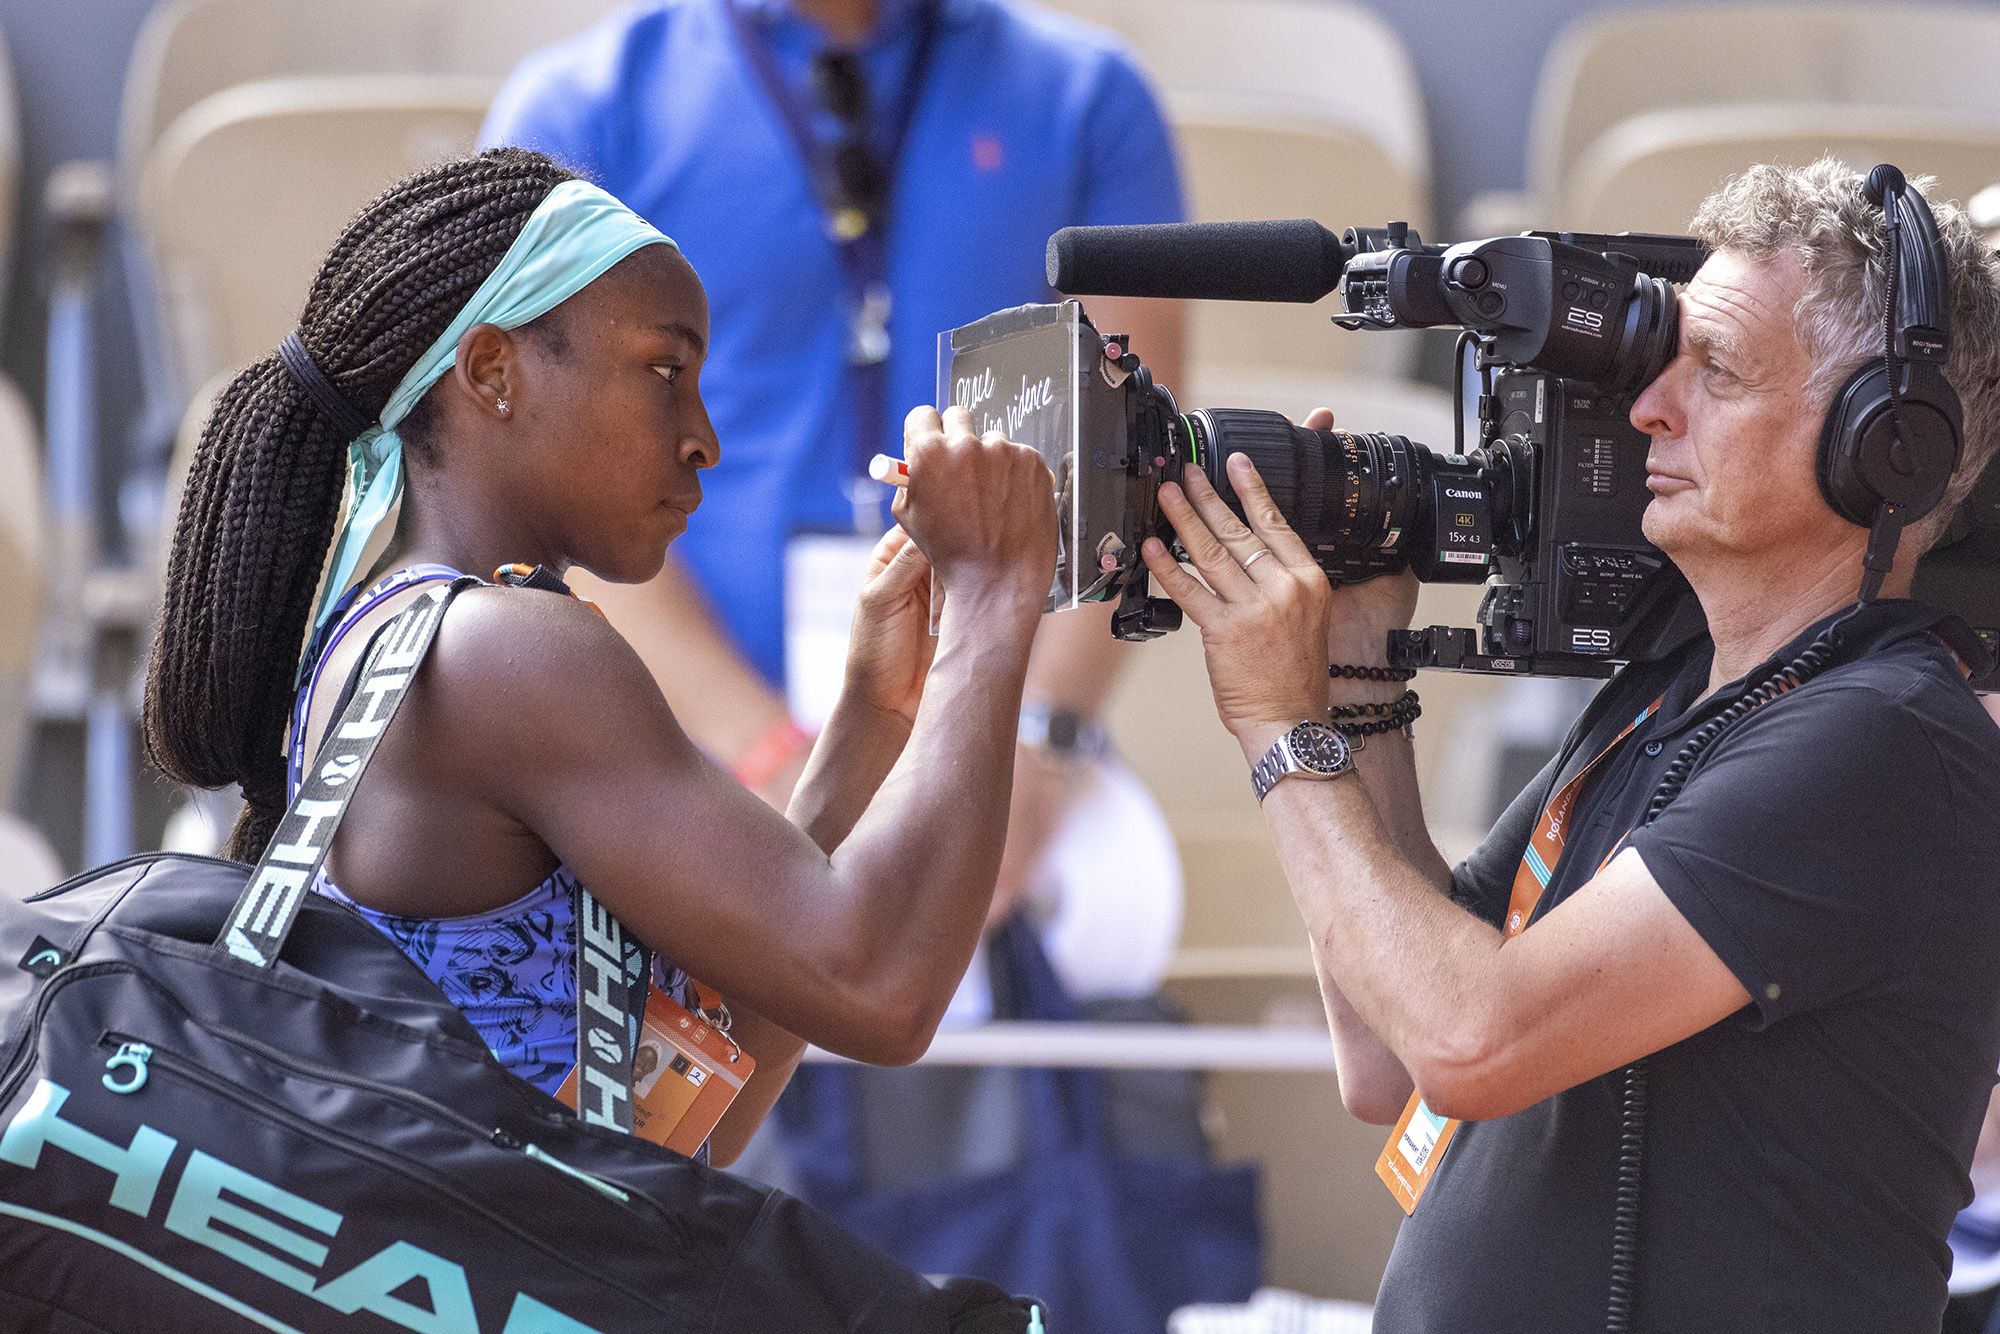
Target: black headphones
(1895, 432)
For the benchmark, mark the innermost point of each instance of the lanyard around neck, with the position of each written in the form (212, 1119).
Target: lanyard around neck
(796, 112)
(1545, 844)
(864, 258)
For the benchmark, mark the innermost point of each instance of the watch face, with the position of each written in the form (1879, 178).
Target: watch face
(1318, 747)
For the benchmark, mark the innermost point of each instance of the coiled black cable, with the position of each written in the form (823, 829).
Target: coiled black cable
(1625, 1208)
(1622, 1296)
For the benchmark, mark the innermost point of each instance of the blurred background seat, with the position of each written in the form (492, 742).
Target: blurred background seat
(1648, 173)
(10, 168)
(1267, 132)
(27, 862)
(227, 276)
(1866, 58)
(189, 51)
(22, 548)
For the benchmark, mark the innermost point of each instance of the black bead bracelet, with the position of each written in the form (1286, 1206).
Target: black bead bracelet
(1341, 671)
(1371, 710)
(1405, 712)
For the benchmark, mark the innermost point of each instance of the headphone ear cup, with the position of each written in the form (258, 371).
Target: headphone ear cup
(1840, 440)
(1864, 461)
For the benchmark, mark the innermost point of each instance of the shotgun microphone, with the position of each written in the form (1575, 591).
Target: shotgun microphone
(1298, 260)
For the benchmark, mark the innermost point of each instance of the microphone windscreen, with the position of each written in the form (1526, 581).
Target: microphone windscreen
(1296, 260)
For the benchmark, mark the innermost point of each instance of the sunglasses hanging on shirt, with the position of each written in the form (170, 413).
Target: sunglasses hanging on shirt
(854, 184)
(853, 181)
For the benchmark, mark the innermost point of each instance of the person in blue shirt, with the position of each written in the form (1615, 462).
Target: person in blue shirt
(853, 177)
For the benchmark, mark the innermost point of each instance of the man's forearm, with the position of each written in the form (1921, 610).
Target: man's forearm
(1373, 1080)
(1402, 956)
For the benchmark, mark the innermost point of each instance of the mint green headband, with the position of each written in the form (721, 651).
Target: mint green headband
(574, 235)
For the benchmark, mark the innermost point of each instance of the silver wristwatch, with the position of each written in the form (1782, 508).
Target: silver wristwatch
(1310, 750)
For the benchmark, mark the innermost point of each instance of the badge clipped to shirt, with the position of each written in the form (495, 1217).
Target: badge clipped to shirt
(685, 1073)
(1416, 1146)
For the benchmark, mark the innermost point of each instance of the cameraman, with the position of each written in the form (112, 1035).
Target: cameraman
(1806, 943)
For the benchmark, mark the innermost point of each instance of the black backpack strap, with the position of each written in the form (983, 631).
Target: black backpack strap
(610, 967)
(270, 903)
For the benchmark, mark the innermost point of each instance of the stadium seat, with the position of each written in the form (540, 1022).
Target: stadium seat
(229, 275)
(1266, 133)
(1613, 66)
(22, 547)
(1650, 172)
(10, 168)
(192, 49)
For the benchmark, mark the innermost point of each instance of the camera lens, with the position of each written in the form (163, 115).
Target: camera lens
(1363, 503)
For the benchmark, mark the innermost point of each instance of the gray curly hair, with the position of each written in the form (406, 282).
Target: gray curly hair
(1820, 214)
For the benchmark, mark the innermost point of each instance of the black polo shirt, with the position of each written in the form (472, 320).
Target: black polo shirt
(1805, 1157)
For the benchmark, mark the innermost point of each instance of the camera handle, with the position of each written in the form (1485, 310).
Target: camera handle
(1141, 616)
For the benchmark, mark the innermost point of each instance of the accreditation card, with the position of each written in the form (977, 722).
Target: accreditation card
(685, 1073)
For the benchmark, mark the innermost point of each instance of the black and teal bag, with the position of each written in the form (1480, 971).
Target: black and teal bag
(229, 1103)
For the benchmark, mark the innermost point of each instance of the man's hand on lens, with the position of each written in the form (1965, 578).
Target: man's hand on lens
(1262, 602)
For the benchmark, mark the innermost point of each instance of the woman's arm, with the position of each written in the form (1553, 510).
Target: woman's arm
(859, 951)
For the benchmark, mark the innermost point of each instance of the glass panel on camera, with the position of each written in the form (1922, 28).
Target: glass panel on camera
(1034, 374)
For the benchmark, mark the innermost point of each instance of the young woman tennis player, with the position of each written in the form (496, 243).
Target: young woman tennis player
(503, 364)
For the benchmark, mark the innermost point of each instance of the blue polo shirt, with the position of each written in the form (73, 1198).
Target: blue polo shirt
(1026, 122)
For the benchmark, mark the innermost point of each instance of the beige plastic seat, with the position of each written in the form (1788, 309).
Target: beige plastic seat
(1276, 53)
(192, 49)
(28, 864)
(22, 545)
(1613, 67)
(1650, 172)
(10, 163)
(1240, 165)
(247, 190)
(1265, 132)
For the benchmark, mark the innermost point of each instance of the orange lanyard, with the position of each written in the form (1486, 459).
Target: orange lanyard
(1545, 844)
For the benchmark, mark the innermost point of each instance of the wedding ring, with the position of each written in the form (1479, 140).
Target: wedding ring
(1256, 556)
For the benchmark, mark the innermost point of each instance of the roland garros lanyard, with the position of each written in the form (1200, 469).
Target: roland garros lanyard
(1416, 1146)
(861, 242)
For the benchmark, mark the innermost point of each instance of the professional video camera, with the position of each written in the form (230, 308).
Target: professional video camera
(1544, 507)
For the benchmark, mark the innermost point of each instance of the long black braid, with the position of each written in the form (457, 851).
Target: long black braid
(262, 493)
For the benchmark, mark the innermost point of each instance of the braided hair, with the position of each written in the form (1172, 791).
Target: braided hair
(262, 493)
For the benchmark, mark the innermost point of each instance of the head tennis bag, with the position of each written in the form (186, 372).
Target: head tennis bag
(194, 1140)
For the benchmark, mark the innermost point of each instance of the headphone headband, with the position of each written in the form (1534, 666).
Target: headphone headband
(1893, 434)
(1922, 330)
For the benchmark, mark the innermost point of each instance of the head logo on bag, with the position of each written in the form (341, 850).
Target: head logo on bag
(296, 1230)
(43, 957)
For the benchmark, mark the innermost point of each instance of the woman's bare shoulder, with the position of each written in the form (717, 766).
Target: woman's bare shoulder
(543, 673)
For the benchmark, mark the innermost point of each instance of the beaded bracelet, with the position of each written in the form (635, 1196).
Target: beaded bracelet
(1344, 672)
(1400, 720)
(1371, 710)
